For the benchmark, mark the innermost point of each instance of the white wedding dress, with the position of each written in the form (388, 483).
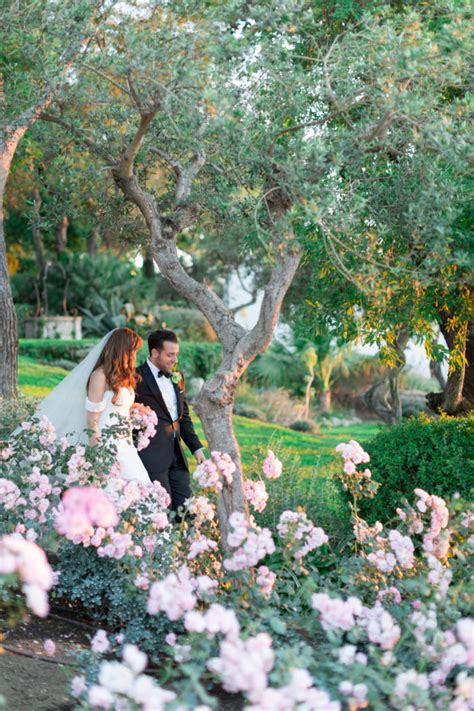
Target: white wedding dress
(130, 464)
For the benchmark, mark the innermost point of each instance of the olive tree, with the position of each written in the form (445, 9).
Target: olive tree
(42, 45)
(251, 124)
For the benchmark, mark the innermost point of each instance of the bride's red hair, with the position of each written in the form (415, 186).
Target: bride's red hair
(116, 360)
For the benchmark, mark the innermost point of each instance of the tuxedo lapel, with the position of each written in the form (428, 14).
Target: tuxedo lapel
(150, 380)
(178, 399)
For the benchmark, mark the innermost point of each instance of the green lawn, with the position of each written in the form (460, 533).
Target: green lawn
(311, 450)
(36, 379)
(307, 458)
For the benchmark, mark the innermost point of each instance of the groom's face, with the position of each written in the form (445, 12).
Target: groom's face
(166, 358)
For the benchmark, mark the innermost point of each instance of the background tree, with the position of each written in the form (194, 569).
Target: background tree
(396, 254)
(41, 44)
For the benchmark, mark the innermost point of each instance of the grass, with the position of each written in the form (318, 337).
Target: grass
(36, 379)
(308, 470)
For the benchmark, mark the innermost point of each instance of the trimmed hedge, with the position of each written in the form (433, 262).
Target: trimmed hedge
(50, 350)
(434, 454)
(195, 359)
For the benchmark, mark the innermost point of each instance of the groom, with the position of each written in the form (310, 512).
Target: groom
(163, 391)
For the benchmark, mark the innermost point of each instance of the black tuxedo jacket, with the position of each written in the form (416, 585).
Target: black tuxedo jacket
(158, 455)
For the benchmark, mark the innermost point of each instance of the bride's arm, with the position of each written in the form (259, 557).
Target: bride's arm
(95, 396)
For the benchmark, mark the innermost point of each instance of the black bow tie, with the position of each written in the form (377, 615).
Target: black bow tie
(161, 372)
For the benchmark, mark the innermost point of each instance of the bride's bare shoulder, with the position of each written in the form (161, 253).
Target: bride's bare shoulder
(98, 375)
(97, 381)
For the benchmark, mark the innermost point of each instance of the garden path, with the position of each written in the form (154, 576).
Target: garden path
(30, 680)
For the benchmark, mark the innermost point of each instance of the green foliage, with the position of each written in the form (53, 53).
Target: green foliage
(195, 360)
(312, 488)
(397, 248)
(36, 380)
(304, 426)
(107, 290)
(199, 360)
(105, 590)
(13, 412)
(188, 323)
(278, 367)
(47, 350)
(432, 454)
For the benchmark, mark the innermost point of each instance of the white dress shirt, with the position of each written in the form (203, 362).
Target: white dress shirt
(167, 390)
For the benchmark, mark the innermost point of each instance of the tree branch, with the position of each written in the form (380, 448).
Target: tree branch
(79, 135)
(130, 153)
(286, 264)
(331, 92)
(343, 108)
(236, 309)
(32, 113)
(163, 231)
(102, 74)
(185, 175)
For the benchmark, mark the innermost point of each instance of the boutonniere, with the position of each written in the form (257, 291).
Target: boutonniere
(176, 378)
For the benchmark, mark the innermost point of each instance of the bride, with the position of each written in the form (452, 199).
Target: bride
(99, 388)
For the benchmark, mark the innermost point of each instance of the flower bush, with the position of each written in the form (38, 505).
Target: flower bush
(23, 565)
(70, 500)
(381, 622)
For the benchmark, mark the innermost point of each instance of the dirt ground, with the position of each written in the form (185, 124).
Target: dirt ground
(29, 679)
(32, 681)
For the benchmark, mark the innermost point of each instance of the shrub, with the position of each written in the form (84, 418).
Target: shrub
(13, 412)
(379, 622)
(274, 405)
(304, 426)
(245, 410)
(199, 360)
(50, 350)
(196, 359)
(105, 590)
(433, 454)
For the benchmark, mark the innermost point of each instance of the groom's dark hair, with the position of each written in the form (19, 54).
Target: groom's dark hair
(157, 339)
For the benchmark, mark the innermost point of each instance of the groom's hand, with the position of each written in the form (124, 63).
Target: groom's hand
(200, 458)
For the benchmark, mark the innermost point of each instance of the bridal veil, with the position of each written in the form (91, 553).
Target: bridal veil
(65, 405)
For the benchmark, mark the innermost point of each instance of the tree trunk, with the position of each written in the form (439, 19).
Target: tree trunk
(37, 236)
(437, 373)
(8, 323)
(108, 239)
(216, 399)
(93, 241)
(457, 397)
(214, 407)
(148, 264)
(468, 389)
(61, 236)
(383, 398)
(325, 401)
(11, 132)
(307, 397)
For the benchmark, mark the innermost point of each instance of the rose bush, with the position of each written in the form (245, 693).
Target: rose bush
(285, 621)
